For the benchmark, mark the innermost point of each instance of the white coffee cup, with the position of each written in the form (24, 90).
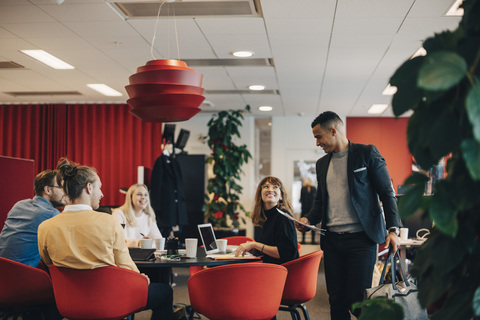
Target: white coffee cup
(404, 233)
(222, 245)
(146, 243)
(159, 243)
(191, 247)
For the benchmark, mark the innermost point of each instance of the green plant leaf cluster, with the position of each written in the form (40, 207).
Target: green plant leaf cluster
(379, 308)
(443, 91)
(223, 190)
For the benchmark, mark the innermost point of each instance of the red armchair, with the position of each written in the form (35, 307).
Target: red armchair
(238, 291)
(23, 288)
(103, 293)
(301, 284)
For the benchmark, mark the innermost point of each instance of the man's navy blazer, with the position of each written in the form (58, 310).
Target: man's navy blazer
(368, 181)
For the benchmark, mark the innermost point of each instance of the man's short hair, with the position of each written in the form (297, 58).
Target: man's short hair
(326, 119)
(43, 179)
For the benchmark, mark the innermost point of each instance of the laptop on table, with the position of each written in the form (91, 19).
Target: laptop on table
(209, 240)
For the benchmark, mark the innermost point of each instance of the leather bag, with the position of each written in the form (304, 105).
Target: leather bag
(402, 292)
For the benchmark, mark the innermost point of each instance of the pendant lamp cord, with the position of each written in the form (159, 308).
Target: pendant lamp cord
(155, 32)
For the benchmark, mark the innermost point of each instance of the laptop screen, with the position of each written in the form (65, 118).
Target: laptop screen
(208, 238)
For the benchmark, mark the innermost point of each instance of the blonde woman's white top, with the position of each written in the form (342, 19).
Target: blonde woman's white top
(145, 227)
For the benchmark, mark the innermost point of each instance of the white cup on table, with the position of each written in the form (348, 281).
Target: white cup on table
(222, 245)
(403, 233)
(191, 247)
(159, 243)
(146, 243)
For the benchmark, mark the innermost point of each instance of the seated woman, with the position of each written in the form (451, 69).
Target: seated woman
(137, 216)
(278, 242)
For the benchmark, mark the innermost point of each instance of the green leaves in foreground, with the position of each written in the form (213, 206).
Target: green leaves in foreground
(472, 105)
(476, 303)
(441, 70)
(379, 308)
(471, 154)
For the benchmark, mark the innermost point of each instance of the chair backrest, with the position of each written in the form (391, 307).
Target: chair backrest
(238, 291)
(103, 293)
(236, 240)
(301, 284)
(299, 248)
(22, 285)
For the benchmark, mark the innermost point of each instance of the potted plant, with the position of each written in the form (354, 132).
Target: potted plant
(222, 207)
(443, 91)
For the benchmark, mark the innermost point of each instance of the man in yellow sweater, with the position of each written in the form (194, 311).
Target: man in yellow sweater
(81, 238)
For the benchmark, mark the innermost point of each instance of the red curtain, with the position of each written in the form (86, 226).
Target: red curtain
(104, 136)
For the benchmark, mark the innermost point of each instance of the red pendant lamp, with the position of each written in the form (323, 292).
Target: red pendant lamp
(165, 90)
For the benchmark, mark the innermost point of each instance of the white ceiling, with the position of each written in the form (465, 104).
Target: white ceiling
(327, 54)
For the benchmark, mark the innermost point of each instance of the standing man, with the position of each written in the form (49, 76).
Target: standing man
(351, 179)
(18, 240)
(80, 238)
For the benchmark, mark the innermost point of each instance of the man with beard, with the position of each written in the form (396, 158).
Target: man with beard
(18, 240)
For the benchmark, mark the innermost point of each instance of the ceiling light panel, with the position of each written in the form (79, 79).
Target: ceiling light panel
(48, 59)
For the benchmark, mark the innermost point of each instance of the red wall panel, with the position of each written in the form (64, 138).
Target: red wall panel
(17, 183)
(390, 137)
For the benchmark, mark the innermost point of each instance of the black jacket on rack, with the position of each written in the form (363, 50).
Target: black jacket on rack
(167, 196)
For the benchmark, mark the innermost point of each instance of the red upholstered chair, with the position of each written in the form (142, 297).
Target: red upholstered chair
(301, 284)
(231, 241)
(238, 291)
(103, 293)
(23, 288)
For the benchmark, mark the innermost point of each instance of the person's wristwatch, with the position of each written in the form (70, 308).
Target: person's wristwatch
(394, 229)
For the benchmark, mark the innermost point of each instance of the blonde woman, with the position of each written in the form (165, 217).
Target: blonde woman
(137, 216)
(278, 242)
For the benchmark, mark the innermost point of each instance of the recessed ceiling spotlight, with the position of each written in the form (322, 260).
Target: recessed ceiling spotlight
(265, 108)
(389, 90)
(378, 108)
(256, 87)
(242, 54)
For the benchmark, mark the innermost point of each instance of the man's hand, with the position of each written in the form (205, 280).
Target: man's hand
(300, 227)
(392, 240)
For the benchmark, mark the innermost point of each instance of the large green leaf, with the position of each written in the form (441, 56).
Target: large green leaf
(379, 308)
(442, 212)
(472, 105)
(412, 200)
(471, 154)
(458, 305)
(476, 303)
(441, 70)
(408, 94)
(441, 141)
(416, 141)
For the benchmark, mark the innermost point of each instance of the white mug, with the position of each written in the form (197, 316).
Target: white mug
(404, 233)
(160, 243)
(146, 243)
(191, 247)
(222, 245)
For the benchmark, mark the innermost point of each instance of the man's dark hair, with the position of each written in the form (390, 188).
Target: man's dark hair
(75, 177)
(43, 179)
(326, 118)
